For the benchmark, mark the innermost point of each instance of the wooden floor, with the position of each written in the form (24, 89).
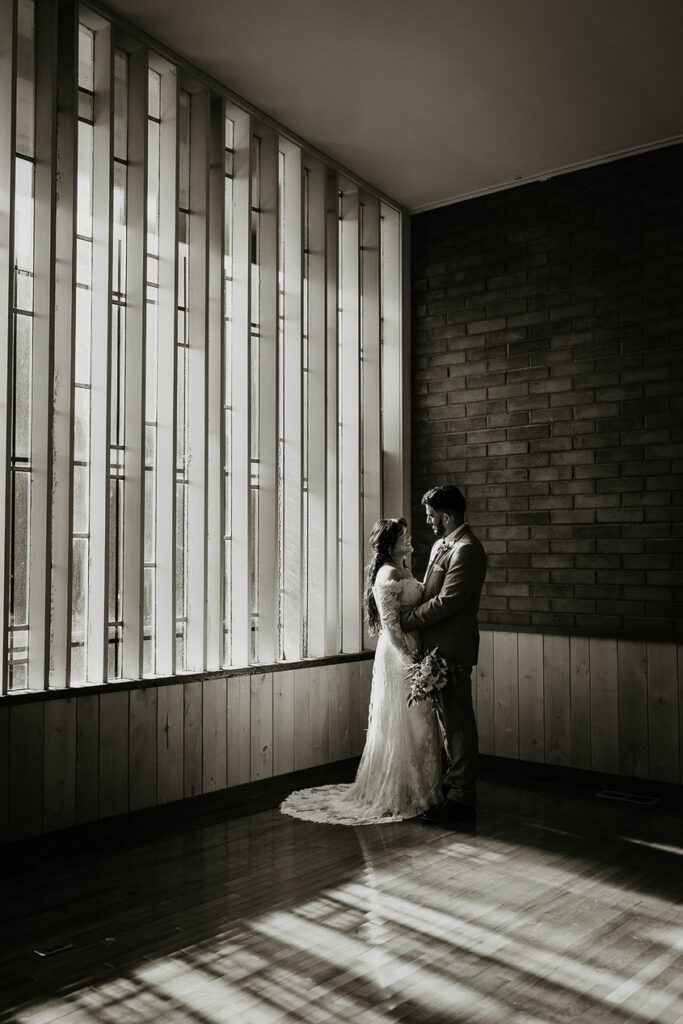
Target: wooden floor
(558, 906)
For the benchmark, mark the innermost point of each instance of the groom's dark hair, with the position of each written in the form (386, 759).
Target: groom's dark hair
(448, 498)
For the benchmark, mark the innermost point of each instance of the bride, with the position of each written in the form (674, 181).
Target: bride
(399, 774)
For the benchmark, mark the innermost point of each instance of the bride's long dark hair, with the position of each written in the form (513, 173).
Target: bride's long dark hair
(383, 537)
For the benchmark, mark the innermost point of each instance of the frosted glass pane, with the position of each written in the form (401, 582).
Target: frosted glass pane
(184, 151)
(148, 610)
(81, 495)
(26, 61)
(85, 58)
(83, 328)
(154, 94)
(84, 186)
(23, 218)
(120, 105)
(77, 665)
(20, 545)
(22, 386)
(81, 424)
(79, 589)
(150, 516)
(83, 262)
(153, 188)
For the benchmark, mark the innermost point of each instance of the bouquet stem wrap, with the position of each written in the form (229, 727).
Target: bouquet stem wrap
(429, 675)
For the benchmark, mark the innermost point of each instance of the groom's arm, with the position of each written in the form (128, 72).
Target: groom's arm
(465, 573)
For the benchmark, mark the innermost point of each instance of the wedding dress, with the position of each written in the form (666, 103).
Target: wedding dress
(399, 774)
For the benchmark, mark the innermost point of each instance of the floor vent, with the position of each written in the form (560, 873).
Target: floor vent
(627, 798)
(53, 950)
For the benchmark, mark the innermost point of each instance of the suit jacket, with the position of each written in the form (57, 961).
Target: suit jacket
(447, 617)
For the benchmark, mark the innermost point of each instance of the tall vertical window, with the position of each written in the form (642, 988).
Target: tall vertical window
(227, 388)
(193, 434)
(151, 337)
(22, 351)
(182, 391)
(81, 399)
(254, 396)
(118, 366)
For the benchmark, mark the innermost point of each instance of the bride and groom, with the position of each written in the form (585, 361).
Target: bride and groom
(400, 774)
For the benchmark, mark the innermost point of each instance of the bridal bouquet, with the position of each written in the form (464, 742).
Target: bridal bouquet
(428, 675)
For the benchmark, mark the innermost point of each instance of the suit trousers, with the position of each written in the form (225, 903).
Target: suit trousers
(459, 781)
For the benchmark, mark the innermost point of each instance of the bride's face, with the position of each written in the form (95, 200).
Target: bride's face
(403, 545)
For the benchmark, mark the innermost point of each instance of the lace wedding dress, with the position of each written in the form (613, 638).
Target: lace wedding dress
(399, 774)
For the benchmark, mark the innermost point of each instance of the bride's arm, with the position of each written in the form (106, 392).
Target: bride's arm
(387, 594)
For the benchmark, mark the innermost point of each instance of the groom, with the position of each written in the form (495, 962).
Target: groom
(447, 619)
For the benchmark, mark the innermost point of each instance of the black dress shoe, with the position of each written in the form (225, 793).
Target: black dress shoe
(448, 812)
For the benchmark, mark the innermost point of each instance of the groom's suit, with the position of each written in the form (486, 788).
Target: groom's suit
(447, 619)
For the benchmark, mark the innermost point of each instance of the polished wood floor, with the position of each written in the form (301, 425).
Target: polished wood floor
(558, 906)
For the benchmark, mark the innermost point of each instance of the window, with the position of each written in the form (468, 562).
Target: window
(203, 371)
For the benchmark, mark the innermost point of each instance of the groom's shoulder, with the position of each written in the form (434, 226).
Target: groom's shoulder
(469, 539)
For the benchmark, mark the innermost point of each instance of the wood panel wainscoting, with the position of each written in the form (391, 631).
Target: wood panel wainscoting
(603, 705)
(70, 758)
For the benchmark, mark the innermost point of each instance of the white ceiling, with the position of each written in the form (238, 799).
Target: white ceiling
(432, 101)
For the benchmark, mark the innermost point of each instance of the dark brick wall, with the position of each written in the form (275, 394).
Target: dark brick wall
(547, 383)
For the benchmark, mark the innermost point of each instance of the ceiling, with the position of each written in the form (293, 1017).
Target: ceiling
(433, 101)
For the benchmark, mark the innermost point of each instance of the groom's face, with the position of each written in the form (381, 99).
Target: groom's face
(436, 520)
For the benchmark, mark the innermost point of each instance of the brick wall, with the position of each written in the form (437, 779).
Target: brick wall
(547, 383)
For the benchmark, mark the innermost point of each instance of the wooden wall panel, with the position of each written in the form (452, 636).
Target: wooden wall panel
(604, 706)
(557, 704)
(611, 706)
(506, 695)
(339, 706)
(215, 735)
(4, 772)
(261, 738)
(633, 712)
(485, 694)
(87, 758)
(239, 730)
(26, 770)
(283, 722)
(662, 686)
(303, 742)
(356, 713)
(142, 754)
(319, 714)
(60, 765)
(680, 709)
(170, 743)
(113, 753)
(531, 707)
(580, 697)
(192, 729)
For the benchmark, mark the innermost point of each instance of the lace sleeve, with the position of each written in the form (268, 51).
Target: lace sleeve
(386, 595)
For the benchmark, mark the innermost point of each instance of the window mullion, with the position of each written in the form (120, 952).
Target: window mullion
(214, 392)
(332, 562)
(349, 419)
(267, 340)
(239, 625)
(8, 80)
(315, 527)
(63, 350)
(135, 366)
(43, 330)
(395, 374)
(292, 370)
(167, 377)
(100, 367)
(196, 397)
(371, 379)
